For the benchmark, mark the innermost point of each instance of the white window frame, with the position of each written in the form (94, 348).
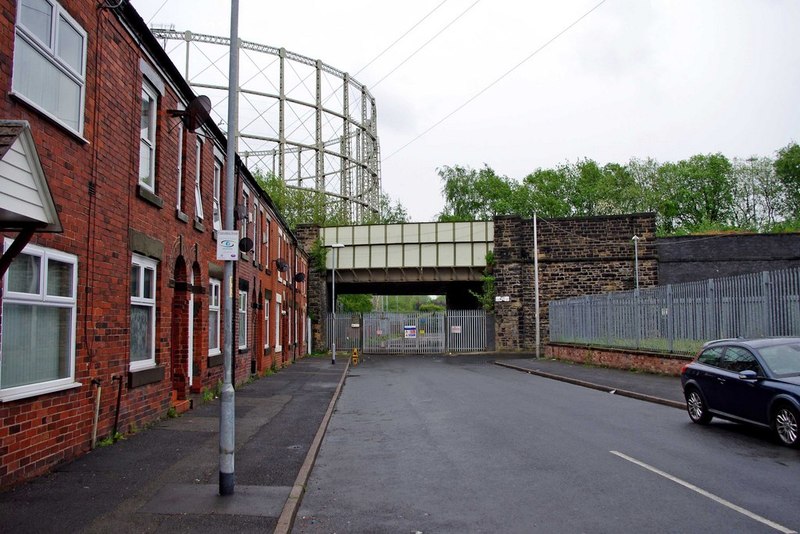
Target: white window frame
(267, 304)
(278, 319)
(217, 219)
(144, 264)
(256, 228)
(48, 51)
(214, 299)
(265, 237)
(242, 319)
(41, 298)
(246, 215)
(280, 251)
(147, 140)
(179, 170)
(198, 178)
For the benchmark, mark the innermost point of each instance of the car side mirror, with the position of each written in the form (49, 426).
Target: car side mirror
(748, 375)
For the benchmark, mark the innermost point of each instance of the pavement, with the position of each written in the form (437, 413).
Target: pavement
(165, 478)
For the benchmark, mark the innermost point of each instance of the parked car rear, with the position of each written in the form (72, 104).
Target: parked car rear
(754, 381)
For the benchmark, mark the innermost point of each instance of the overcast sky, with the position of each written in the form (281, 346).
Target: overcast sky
(632, 79)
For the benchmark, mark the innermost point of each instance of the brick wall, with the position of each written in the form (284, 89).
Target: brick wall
(578, 256)
(629, 360)
(107, 217)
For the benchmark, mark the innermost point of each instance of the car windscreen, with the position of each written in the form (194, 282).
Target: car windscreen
(782, 360)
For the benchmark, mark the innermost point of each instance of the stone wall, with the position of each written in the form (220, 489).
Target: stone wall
(317, 285)
(577, 256)
(691, 258)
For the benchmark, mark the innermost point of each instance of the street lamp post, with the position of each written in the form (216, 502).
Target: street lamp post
(335, 247)
(227, 406)
(635, 240)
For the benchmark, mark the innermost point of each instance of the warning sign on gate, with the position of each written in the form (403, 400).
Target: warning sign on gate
(455, 329)
(410, 332)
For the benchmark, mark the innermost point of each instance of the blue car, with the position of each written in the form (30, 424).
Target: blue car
(755, 381)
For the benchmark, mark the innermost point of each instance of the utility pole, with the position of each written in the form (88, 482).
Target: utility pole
(227, 407)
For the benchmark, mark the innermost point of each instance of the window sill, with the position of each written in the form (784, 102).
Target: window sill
(243, 350)
(149, 196)
(145, 376)
(215, 360)
(198, 225)
(12, 395)
(181, 216)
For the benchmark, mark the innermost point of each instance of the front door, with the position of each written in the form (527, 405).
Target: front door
(190, 332)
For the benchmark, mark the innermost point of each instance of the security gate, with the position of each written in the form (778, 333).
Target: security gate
(404, 333)
(410, 333)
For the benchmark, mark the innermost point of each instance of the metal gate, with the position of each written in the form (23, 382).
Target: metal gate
(409, 333)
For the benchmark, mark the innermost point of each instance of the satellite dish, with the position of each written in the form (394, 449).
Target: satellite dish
(195, 114)
(245, 244)
(281, 265)
(299, 277)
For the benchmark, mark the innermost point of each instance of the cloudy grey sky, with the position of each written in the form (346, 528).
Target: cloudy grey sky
(633, 79)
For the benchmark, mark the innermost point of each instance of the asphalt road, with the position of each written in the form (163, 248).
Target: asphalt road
(443, 444)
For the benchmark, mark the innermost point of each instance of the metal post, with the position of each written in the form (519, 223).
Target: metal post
(536, 287)
(635, 239)
(336, 247)
(227, 408)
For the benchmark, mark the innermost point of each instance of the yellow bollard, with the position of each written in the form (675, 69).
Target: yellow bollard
(355, 356)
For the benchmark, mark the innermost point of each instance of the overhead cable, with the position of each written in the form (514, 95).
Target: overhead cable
(495, 82)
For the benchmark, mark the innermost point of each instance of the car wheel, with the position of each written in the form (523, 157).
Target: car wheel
(784, 423)
(696, 406)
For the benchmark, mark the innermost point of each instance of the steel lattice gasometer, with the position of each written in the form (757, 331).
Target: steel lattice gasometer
(299, 119)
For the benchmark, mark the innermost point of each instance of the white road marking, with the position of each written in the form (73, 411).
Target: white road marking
(720, 500)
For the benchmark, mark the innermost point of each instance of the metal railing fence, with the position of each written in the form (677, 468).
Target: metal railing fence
(681, 317)
(409, 333)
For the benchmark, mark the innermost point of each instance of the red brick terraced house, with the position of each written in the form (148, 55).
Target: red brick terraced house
(110, 205)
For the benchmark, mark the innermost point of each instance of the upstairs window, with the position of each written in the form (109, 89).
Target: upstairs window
(217, 187)
(264, 245)
(198, 178)
(179, 169)
(147, 144)
(246, 215)
(256, 228)
(50, 61)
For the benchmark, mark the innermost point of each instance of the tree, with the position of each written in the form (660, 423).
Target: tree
(301, 206)
(758, 194)
(549, 192)
(471, 194)
(787, 168)
(355, 303)
(703, 190)
(390, 213)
